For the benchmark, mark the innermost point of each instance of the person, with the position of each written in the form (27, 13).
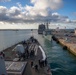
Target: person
(27, 54)
(32, 53)
(43, 63)
(23, 55)
(32, 64)
(2, 53)
(36, 67)
(46, 62)
(40, 64)
(48, 69)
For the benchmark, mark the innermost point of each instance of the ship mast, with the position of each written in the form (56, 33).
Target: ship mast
(47, 25)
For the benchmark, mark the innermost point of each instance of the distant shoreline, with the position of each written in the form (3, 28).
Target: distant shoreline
(15, 29)
(29, 29)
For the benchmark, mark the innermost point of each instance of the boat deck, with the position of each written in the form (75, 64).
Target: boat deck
(41, 71)
(28, 70)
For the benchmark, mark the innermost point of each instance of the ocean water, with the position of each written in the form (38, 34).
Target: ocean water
(11, 37)
(62, 62)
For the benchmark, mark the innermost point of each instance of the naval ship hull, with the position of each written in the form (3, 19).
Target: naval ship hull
(48, 37)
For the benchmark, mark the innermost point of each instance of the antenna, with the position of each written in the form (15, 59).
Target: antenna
(47, 25)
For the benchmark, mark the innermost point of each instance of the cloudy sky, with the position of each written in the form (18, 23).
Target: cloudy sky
(14, 13)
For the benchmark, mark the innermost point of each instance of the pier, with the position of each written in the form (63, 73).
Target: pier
(66, 39)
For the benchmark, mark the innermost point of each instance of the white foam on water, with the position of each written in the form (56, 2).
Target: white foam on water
(55, 69)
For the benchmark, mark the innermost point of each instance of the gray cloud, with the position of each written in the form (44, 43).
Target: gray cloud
(14, 14)
(19, 14)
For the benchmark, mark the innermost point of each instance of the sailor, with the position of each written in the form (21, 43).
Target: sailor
(2, 53)
(27, 53)
(36, 67)
(46, 62)
(32, 64)
(40, 63)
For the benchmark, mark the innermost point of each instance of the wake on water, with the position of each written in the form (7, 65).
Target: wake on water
(55, 69)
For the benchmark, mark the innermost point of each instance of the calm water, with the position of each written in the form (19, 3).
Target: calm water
(11, 37)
